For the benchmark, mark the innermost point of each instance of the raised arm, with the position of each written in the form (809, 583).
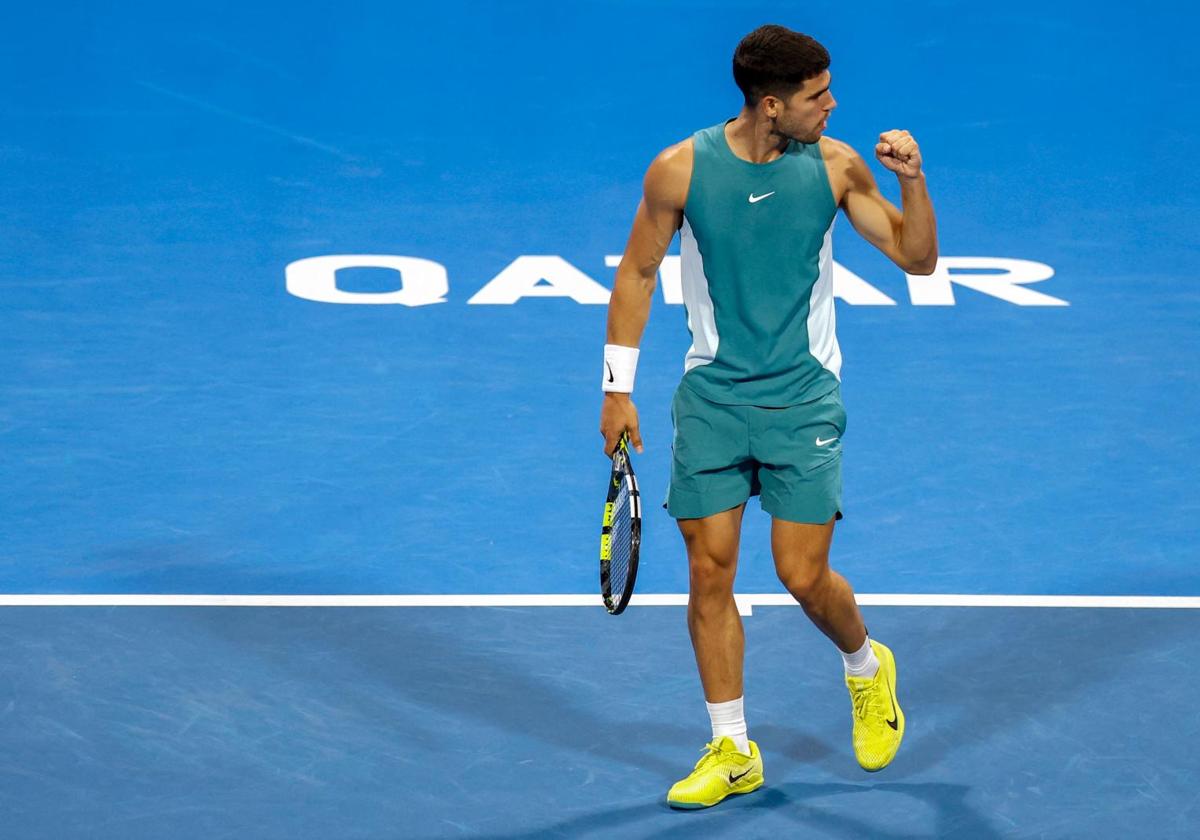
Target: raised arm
(908, 237)
(659, 215)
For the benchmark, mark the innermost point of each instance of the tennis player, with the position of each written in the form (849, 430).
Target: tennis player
(758, 410)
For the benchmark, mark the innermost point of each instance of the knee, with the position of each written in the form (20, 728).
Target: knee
(803, 576)
(710, 576)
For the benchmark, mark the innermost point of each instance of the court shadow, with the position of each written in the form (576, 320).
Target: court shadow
(969, 675)
(796, 747)
(953, 816)
(415, 666)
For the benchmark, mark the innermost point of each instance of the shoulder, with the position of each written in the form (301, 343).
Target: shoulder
(845, 164)
(831, 147)
(670, 173)
(840, 154)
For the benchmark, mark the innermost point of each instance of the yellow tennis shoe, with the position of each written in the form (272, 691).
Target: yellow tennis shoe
(720, 772)
(878, 721)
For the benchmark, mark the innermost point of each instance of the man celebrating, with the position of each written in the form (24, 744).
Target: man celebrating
(758, 410)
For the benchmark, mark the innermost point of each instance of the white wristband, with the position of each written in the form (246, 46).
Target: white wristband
(620, 366)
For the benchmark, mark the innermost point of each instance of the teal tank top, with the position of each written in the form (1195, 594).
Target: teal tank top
(757, 272)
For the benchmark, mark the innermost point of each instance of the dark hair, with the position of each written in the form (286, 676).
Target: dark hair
(777, 61)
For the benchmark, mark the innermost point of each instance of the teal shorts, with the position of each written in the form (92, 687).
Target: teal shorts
(790, 457)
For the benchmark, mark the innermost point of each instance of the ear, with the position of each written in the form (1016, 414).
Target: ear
(770, 106)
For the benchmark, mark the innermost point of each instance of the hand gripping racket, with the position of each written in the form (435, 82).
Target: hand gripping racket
(621, 534)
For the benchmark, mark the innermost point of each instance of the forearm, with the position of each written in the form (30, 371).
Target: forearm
(629, 308)
(918, 229)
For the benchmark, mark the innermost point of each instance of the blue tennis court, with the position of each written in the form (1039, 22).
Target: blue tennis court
(302, 316)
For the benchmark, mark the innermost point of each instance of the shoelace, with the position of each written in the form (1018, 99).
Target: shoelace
(868, 703)
(713, 753)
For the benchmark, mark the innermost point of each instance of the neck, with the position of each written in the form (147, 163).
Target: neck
(754, 139)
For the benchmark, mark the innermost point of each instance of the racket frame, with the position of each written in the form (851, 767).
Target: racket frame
(621, 476)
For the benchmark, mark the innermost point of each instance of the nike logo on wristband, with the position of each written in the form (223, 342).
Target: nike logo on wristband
(610, 373)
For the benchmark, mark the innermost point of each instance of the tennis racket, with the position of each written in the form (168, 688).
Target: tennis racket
(621, 534)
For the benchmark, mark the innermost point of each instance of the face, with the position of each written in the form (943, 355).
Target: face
(803, 115)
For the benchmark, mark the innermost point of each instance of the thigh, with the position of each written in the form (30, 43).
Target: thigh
(713, 540)
(711, 470)
(800, 450)
(800, 549)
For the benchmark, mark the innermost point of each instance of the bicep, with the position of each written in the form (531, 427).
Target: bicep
(875, 218)
(659, 214)
(654, 227)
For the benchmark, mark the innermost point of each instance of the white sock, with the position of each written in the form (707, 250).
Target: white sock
(729, 720)
(861, 663)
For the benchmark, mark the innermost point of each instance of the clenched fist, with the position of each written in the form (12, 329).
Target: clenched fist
(898, 151)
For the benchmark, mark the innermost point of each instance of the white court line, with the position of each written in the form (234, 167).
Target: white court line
(745, 602)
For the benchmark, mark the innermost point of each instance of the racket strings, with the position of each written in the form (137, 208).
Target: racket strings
(621, 543)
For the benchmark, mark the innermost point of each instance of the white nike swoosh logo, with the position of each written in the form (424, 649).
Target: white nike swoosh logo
(823, 442)
(757, 198)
